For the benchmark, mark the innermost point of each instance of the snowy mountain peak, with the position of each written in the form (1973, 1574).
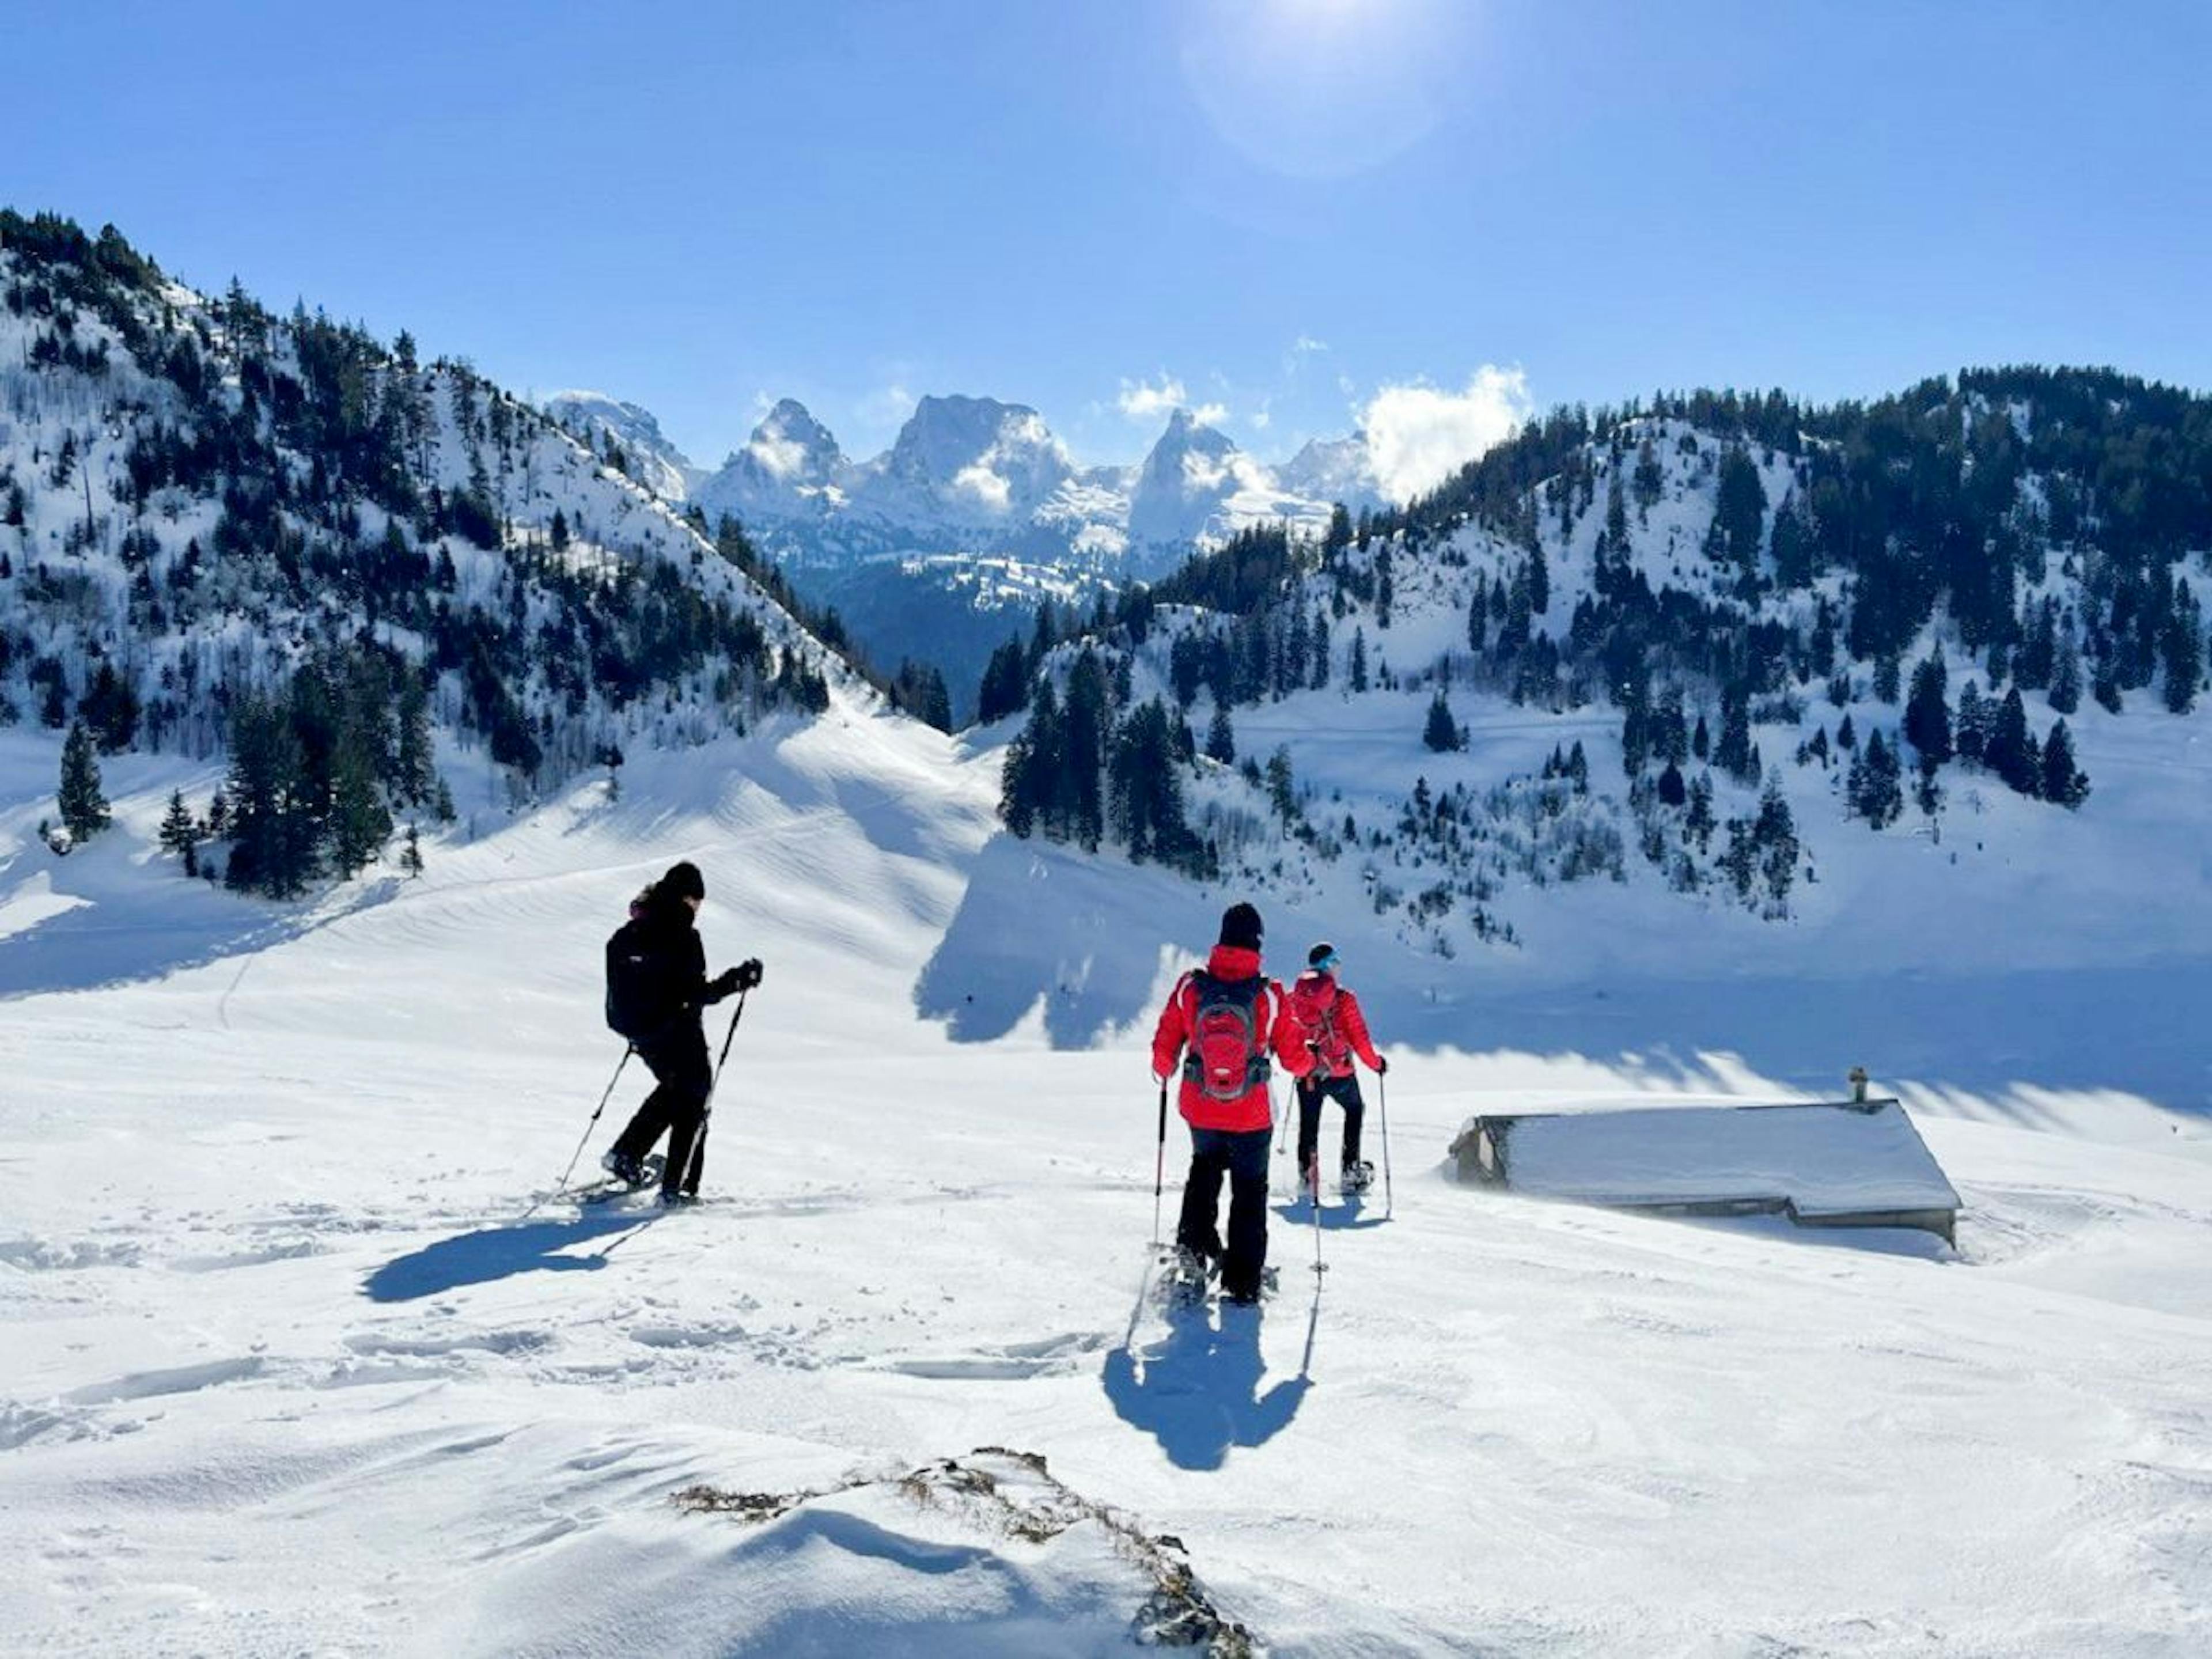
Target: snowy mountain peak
(977, 454)
(791, 446)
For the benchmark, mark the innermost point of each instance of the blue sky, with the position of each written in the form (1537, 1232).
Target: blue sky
(1284, 207)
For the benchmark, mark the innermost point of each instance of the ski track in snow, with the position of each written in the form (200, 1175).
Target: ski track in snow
(294, 1363)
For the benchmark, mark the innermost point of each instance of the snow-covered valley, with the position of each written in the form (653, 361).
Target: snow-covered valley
(304, 1356)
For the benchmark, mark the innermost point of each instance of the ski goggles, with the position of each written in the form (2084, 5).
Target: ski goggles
(1328, 964)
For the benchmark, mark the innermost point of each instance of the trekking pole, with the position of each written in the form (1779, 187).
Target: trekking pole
(1160, 1166)
(707, 1116)
(628, 1050)
(1313, 1197)
(1383, 1094)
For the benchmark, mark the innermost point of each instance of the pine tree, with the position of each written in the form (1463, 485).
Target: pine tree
(1358, 670)
(1739, 513)
(2065, 694)
(1221, 738)
(1877, 792)
(2063, 781)
(83, 808)
(1282, 789)
(179, 833)
(1928, 714)
(1775, 835)
(1442, 732)
(410, 854)
(2182, 644)
(2009, 752)
(1973, 729)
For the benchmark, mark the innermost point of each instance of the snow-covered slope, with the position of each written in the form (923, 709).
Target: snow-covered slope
(646, 453)
(302, 1356)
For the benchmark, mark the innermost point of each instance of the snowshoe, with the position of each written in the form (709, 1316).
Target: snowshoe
(1357, 1178)
(621, 1183)
(625, 1167)
(1190, 1276)
(675, 1199)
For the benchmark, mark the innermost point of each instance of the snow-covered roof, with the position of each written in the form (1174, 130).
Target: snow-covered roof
(1817, 1162)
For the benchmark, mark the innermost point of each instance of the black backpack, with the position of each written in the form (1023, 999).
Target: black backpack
(642, 998)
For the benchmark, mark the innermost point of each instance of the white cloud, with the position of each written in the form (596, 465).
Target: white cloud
(1140, 400)
(985, 485)
(1210, 414)
(1418, 435)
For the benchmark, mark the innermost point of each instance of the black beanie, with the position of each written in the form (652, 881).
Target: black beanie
(1320, 954)
(684, 881)
(1240, 927)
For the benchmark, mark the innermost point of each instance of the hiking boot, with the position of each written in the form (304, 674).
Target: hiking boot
(623, 1166)
(1358, 1177)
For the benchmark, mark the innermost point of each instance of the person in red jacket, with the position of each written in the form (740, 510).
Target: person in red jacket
(1223, 1022)
(1329, 1022)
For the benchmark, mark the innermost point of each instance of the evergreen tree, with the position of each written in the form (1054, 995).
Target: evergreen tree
(1540, 582)
(1442, 732)
(1847, 737)
(1973, 730)
(1927, 713)
(2062, 781)
(1358, 670)
(410, 854)
(2182, 644)
(1672, 792)
(1876, 790)
(83, 807)
(360, 824)
(1701, 739)
(1732, 754)
(179, 833)
(110, 707)
(2065, 695)
(1774, 834)
(1739, 513)
(1698, 820)
(1282, 790)
(1650, 478)
(2009, 751)
(1005, 687)
(1221, 739)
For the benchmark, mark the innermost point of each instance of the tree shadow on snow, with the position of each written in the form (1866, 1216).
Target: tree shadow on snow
(494, 1253)
(121, 928)
(1197, 1392)
(1083, 936)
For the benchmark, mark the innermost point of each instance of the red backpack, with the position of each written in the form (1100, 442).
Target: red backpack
(1313, 1005)
(1226, 1060)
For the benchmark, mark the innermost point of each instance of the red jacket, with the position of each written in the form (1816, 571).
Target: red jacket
(1273, 1027)
(1328, 1015)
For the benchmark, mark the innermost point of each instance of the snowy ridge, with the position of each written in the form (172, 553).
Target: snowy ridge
(970, 475)
(645, 453)
(178, 508)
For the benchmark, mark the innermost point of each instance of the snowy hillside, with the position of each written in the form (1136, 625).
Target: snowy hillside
(213, 520)
(303, 1356)
(1592, 729)
(629, 438)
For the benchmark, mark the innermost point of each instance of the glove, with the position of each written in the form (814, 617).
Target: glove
(746, 974)
(1382, 1064)
(723, 982)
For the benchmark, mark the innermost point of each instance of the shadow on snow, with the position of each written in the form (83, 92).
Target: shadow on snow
(1197, 1390)
(495, 1253)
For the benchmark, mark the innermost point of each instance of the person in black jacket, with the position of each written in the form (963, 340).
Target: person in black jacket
(676, 1052)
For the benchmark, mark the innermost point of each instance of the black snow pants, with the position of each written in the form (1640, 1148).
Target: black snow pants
(1312, 1090)
(1242, 1157)
(678, 1106)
